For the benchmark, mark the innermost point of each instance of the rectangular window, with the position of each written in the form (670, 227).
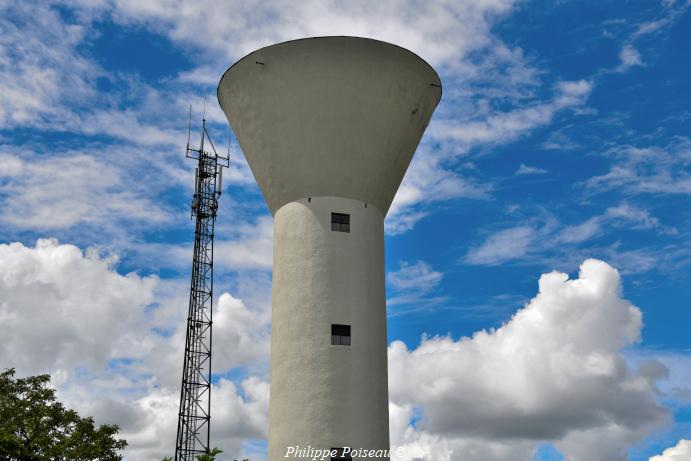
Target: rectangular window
(340, 455)
(340, 222)
(340, 335)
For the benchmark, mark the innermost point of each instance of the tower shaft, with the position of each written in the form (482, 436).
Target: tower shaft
(328, 384)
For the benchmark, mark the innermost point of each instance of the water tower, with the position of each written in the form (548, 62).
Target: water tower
(328, 126)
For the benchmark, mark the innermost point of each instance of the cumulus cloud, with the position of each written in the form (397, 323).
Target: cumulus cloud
(553, 372)
(148, 420)
(113, 344)
(58, 303)
(680, 452)
(239, 409)
(245, 333)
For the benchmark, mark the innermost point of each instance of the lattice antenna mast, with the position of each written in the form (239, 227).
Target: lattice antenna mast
(194, 417)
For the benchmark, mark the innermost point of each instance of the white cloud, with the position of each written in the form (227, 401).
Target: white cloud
(413, 287)
(418, 276)
(533, 238)
(554, 372)
(629, 57)
(62, 191)
(637, 218)
(622, 215)
(503, 246)
(680, 452)
(245, 333)
(58, 303)
(581, 232)
(48, 83)
(427, 182)
(250, 245)
(646, 170)
(507, 126)
(239, 245)
(676, 386)
(99, 333)
(402, 221)
(440, 31)
(672, 11)
(479, 70)
(417, 445)
(524, 169)
(39, 71)
(148, 419)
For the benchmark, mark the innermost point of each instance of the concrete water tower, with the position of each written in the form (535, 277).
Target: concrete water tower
(328, 126)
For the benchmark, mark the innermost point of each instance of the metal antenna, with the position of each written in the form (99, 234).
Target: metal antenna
(189, 129)
(194, 417)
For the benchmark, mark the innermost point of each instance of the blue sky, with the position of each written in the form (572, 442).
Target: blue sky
(563, 135)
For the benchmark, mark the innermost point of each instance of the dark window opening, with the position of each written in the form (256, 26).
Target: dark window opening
(340, 335)
(340, 455)
(340, 222)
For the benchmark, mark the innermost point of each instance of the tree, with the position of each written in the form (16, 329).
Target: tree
(34, 426)
(210, 456)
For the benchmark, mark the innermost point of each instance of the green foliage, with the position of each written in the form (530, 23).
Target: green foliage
(36, 427)
(210, 456)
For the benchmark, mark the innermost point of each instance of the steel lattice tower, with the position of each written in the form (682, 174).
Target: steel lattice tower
(194, 417)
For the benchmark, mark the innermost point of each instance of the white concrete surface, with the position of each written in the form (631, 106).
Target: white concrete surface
(323, 395)
(331, 116)
(328, 125)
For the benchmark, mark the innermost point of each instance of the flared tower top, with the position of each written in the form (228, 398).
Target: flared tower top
(329, 116)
